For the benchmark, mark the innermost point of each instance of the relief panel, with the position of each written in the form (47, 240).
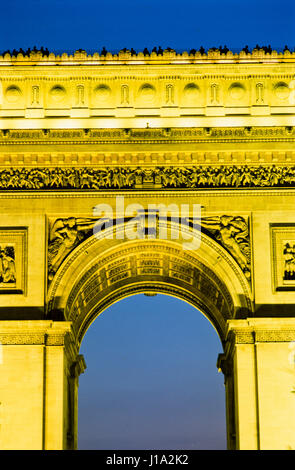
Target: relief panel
(13, 261)
(283, 257)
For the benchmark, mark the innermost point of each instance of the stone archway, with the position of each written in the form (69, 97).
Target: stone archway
(231, 151)
(102, 270)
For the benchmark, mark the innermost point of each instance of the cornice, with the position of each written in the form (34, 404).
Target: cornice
(260, 330)
(261, 336)
(182, 135)
(157, 73)
(46, 333)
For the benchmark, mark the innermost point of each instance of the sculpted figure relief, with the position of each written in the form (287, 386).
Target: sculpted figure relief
(7, 265)
(65, 235)
(169, 177)
(289, 258)
(233, 234)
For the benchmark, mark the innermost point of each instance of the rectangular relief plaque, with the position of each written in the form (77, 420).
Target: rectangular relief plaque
(13, 264)
(283, 256)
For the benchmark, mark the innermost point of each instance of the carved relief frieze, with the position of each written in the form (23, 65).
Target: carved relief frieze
(228, 176)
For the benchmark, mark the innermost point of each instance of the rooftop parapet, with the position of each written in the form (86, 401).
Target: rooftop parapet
(156, 56)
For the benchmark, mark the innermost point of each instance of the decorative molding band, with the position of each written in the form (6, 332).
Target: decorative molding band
(55, 340)
(265, 336)
(241, 336)
(154, 135)
(178, 193)
(24, 338)
(36, 332)
(33, 339)
(251, 336)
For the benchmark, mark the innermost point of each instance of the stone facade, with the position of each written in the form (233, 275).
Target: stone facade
(215, 130)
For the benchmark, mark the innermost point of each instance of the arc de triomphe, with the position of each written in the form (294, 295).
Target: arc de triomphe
(215, 130)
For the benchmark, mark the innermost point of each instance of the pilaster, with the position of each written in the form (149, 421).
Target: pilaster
(39, 370)
(259, 369)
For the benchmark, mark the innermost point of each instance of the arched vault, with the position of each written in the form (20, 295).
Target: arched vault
(102, 270)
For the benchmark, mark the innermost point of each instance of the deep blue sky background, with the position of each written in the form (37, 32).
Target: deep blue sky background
(151, 380)
(67, 25)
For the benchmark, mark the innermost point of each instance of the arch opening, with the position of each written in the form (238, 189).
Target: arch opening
(152, 379)
(104, 269)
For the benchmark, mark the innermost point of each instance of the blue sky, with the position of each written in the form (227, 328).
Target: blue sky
(92, 24)
(151, 380)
